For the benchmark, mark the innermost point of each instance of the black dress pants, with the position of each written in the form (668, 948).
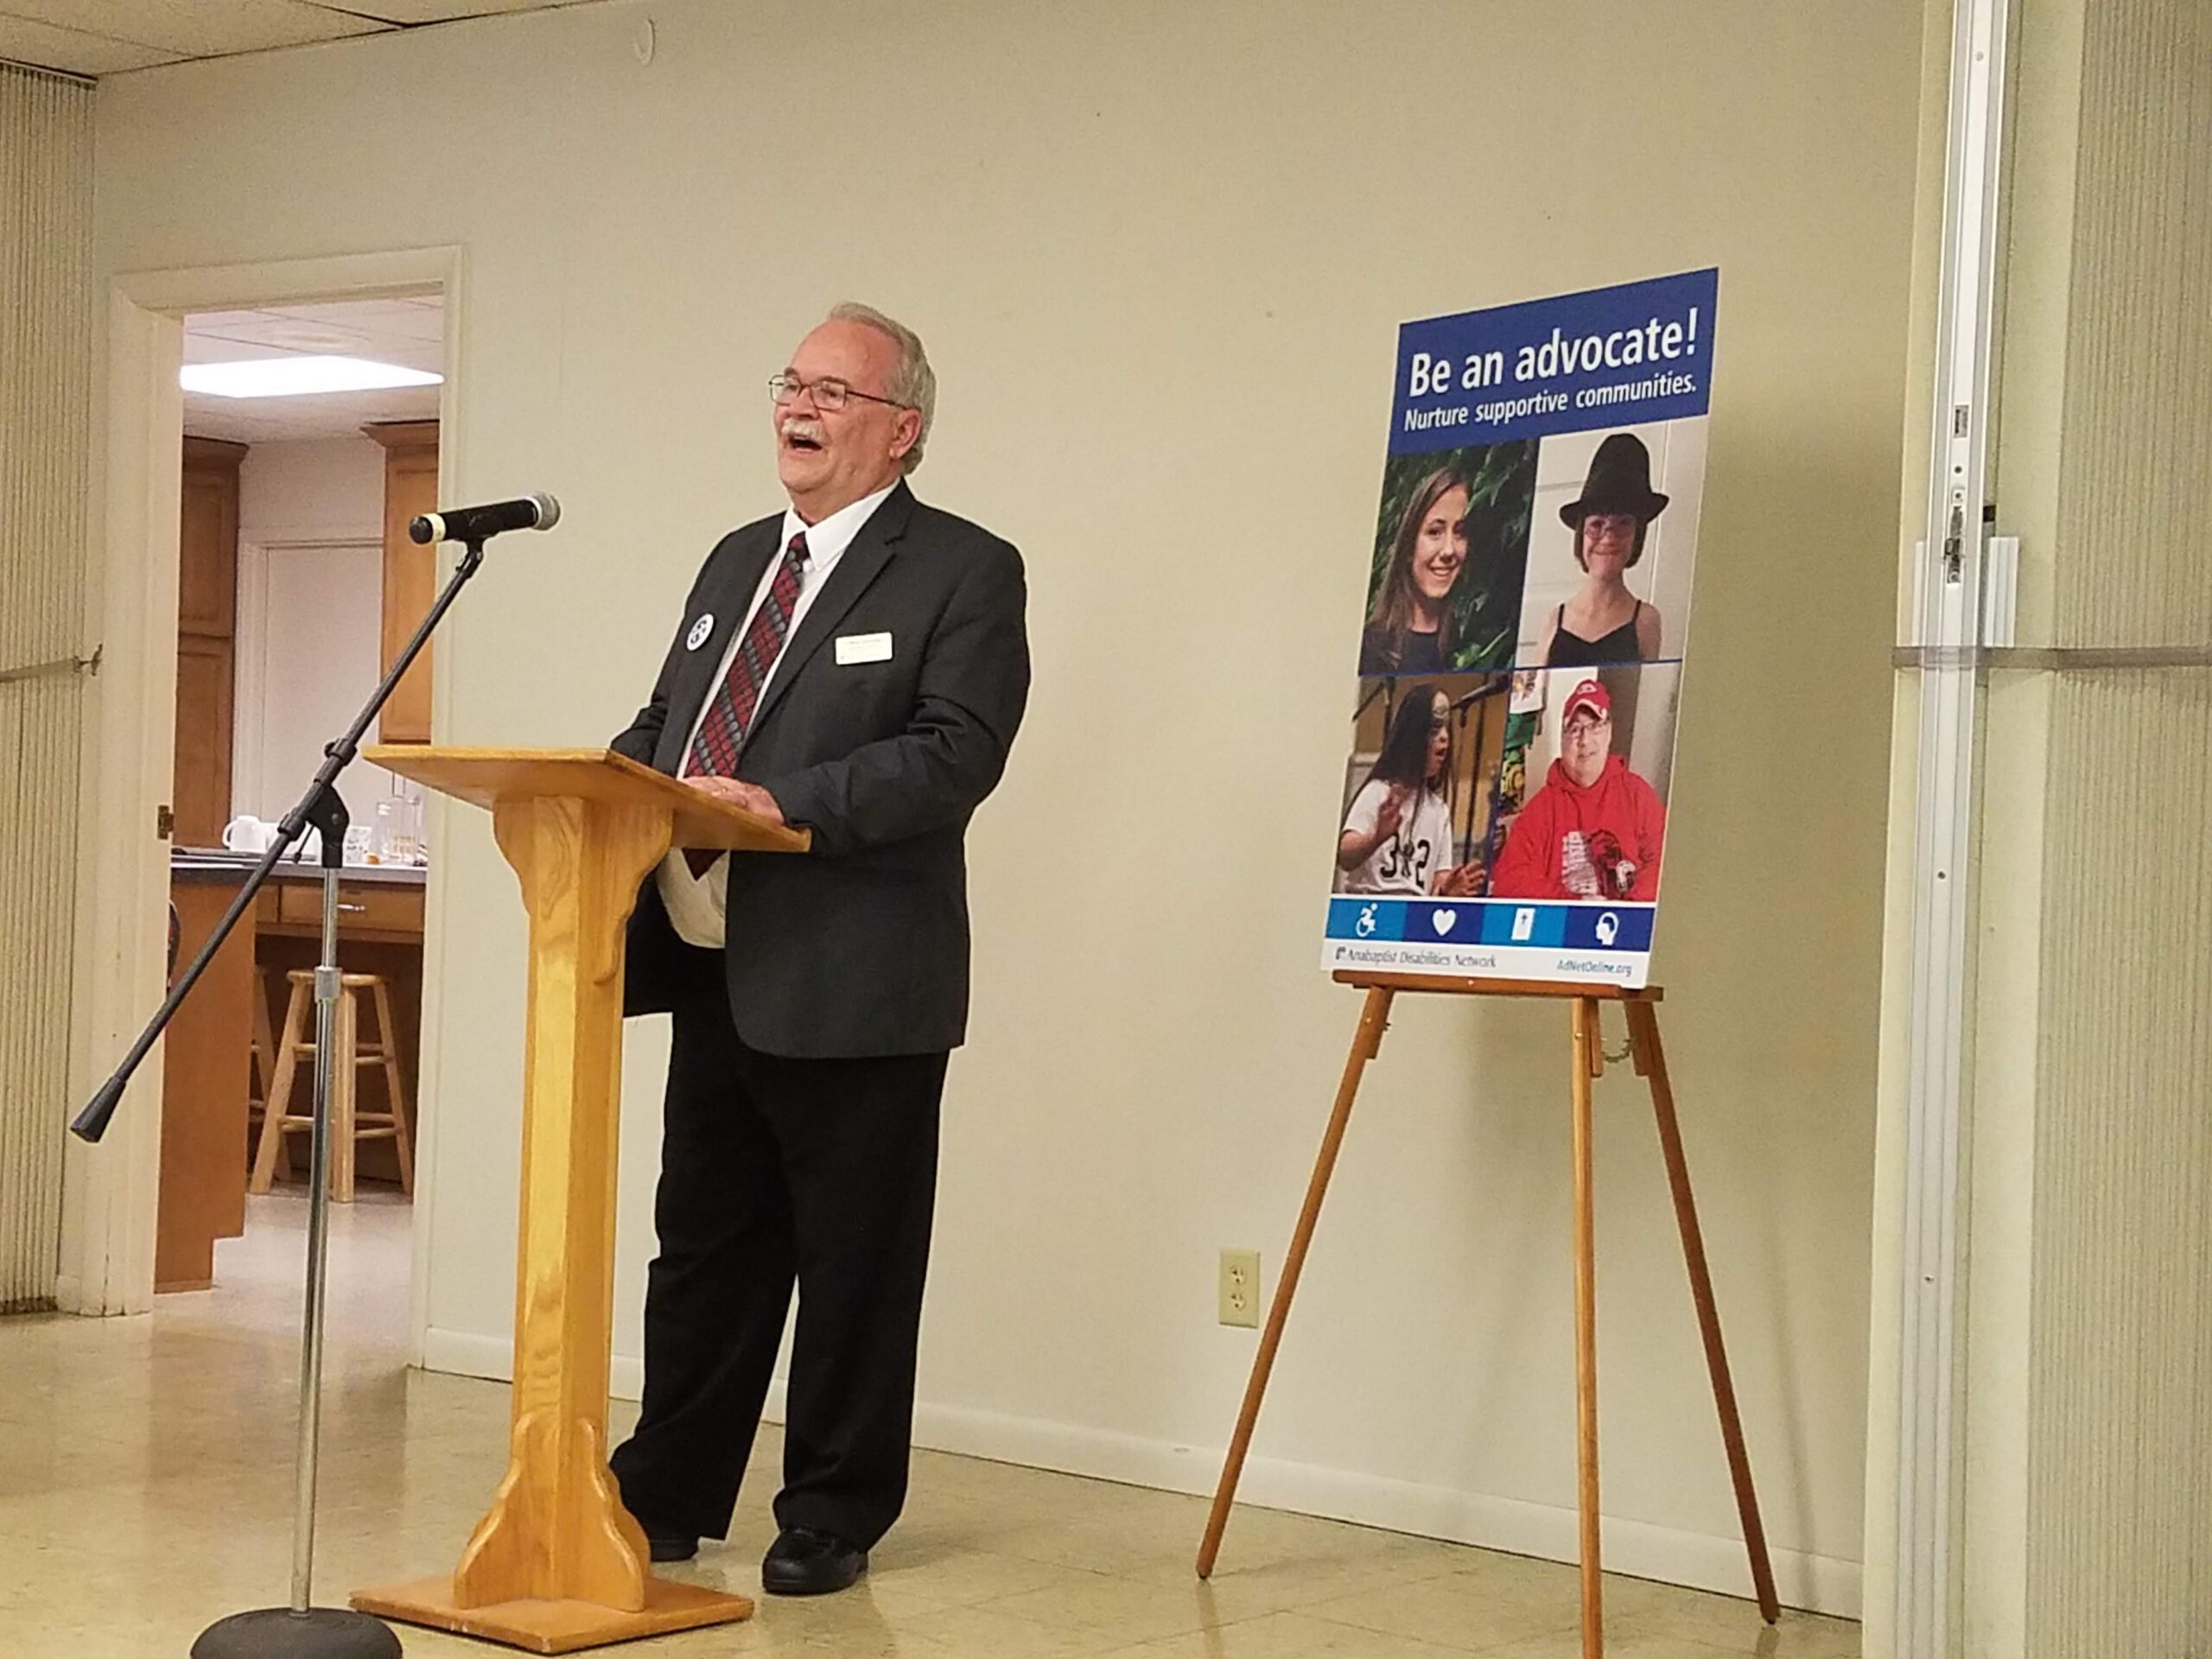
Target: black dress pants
(820, 1173)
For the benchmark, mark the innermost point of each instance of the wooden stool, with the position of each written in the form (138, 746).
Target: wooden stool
(261, 1086)
(348, 1125)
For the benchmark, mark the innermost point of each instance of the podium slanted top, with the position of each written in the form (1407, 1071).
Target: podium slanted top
(486, 777)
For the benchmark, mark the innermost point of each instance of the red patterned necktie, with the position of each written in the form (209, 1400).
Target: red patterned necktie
(722, 734)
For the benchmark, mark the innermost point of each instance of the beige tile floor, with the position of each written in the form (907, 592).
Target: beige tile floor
(146, 1489)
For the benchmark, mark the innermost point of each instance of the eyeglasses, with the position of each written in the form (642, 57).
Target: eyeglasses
(829, 393)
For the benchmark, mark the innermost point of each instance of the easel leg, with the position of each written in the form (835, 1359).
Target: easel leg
(1651, 1060)
(1373, 1018)
(1588, 1054)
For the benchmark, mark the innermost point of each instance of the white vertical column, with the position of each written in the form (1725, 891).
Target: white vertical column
(1946, 631)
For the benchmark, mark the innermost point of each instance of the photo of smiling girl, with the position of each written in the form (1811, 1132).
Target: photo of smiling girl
(1409, 624)
(1445, 570)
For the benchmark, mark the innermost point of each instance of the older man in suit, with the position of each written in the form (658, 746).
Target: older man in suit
(855, 666)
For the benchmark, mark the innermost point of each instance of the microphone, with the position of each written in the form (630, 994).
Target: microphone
(1488, 687)
(475, 524)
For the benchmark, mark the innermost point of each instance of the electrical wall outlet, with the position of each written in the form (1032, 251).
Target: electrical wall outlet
(1238, 1288)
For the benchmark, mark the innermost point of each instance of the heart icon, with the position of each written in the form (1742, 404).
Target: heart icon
(1442, 920)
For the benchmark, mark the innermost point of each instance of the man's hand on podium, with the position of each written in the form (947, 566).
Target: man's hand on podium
(750, 797)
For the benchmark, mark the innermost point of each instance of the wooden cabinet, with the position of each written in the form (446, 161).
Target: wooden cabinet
(410, 572)
(363, 911)
(200, 791)
(204, 1060)
(206, 621)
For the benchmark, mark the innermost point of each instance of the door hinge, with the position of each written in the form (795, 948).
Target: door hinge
(164, 822)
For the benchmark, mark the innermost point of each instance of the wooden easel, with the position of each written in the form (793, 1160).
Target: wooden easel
(1650, 1062)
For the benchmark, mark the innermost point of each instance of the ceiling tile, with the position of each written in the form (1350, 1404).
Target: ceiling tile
(219, 322)
(293, 334)
(209, 348)
(395, 330)
(408, 332)
(47, 46)
(445, 12)
(221, 424)
(427, 355)
(331, 414)
(430, 306)
(196, 27)
(399, 320)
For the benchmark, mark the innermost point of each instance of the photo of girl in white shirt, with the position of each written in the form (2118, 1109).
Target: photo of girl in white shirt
(1397, 834)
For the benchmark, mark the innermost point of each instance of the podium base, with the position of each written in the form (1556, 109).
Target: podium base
(555, 1626)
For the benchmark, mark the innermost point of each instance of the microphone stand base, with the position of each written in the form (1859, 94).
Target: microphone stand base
(280, 1633)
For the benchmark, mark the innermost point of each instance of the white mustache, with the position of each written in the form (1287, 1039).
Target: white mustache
(803, 426)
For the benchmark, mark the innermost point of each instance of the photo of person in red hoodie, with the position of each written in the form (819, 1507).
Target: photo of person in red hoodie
(1594, 829)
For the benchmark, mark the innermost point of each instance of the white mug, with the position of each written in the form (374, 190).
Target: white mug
(247, 834)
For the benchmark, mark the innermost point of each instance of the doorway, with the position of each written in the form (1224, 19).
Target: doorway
(310, 440)
(264, 648)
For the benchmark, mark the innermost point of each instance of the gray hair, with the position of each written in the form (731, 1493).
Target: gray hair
(913, 383)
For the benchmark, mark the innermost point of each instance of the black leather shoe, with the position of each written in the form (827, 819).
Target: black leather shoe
(805, 1562)
(670, 1546)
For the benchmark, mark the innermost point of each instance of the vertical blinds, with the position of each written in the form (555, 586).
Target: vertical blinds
(2119, 1526)
(45, 203)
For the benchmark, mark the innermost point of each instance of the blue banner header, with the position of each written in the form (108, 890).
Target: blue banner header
(1611, 357)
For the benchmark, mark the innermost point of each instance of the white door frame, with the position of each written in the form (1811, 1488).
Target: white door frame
(110, 1192)
(1925, 1617)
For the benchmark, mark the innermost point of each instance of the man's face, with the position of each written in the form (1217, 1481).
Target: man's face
(1584, 747)
(829, 459)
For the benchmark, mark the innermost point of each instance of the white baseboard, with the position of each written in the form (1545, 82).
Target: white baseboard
(69, 1297)
(463, 1353)
(1820, 1584)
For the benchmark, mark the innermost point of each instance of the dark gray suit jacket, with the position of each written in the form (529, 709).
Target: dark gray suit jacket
(860, 947)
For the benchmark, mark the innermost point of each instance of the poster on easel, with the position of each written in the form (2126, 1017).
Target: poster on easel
(1504, 812)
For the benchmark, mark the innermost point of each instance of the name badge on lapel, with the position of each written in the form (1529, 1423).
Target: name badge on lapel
(864, 648)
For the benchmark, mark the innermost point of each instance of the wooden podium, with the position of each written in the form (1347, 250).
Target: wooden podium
(557, 1563)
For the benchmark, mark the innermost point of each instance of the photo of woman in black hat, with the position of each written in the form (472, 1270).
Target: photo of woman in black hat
(1602, 622)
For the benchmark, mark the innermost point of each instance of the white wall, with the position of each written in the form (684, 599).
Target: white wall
(1159, 253)
(310, 618)
(312, 489)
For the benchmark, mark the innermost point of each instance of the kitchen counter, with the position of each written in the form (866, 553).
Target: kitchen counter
(213, 864)
(208, 1067)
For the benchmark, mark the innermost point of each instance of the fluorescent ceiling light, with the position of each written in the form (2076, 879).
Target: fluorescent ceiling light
(294, 377)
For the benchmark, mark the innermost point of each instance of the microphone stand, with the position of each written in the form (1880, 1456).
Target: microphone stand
(301, 1630)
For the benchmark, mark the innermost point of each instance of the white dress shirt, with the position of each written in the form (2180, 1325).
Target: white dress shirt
(696, 905)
